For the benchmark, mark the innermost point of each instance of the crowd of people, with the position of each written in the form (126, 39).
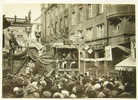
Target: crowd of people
(56, 84)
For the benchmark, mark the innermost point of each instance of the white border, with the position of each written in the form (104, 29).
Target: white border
(71, 1)
(2, 2)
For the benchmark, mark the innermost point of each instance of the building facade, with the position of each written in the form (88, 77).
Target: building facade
(96, 25)
(17, 27)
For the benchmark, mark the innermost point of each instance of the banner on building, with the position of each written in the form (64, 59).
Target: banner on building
(107, 57)
(108, 53)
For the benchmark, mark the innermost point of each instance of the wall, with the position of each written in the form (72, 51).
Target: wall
(117, 20)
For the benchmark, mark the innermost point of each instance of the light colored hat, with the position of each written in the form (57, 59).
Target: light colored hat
(15, 89)
(47, 94)
(58, 95)
(34, 84)
(122, 87)
(97, 86)
(36, 95)
(105, 83)
(73, 96)
(101, 95)
(65, 93)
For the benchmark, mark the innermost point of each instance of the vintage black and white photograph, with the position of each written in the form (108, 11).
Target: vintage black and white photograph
(69, 51)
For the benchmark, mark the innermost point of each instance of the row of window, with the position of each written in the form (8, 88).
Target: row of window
(91, 35)
(91, 11)
(100, 9)
(63, 22)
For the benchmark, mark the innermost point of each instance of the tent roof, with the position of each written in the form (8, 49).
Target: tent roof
(128, 62)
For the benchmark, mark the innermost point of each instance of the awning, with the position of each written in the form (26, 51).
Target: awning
(128, 64)
(65, 46)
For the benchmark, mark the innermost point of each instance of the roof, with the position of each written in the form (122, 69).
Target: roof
(128, 64)
(130, 61)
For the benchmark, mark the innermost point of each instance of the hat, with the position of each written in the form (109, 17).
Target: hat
(15, 89)
(58, 95)
(97, 86)
(47, 94)
(65, 93)
(19, 92)
(36, 95)
(107, 91)
(122, 87)
(101, 95)
(105, 83)
(73, 96)
(91, 94)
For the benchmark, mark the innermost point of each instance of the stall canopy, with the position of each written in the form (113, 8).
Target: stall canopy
(129, 64)
(65, 46)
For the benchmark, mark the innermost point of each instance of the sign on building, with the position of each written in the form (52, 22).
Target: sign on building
(108, 53)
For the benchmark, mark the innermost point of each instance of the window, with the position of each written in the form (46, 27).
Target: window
(89, 34)
(61, 23)
(117, 27)
(66, 21)
(100, 31)
(19, 36)
(73, 20)
(101, 8)
(90, 10)
(81, 13)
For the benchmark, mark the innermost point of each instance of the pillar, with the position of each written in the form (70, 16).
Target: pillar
(79, 58)
(96, 55)
(107, 66)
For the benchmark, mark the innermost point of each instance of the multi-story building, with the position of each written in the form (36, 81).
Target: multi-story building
(97, 25)
(17, 27)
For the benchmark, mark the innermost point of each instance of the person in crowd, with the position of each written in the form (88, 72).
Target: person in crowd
(68, 85)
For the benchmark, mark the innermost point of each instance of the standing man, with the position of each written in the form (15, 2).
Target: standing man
(13, 45)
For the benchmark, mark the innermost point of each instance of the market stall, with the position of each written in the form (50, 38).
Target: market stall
(68, 57)
(127, 69)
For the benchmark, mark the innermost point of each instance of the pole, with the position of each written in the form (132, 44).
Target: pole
(79, 58)
(84, 64)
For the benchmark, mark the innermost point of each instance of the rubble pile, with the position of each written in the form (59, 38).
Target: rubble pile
(55, 84)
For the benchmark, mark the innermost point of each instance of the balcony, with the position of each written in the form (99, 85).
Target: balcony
(120, 10)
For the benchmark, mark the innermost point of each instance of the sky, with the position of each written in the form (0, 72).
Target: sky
(21, 10)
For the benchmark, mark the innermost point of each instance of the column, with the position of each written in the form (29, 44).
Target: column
(107, 66)
(96, 55)
(79, 58)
